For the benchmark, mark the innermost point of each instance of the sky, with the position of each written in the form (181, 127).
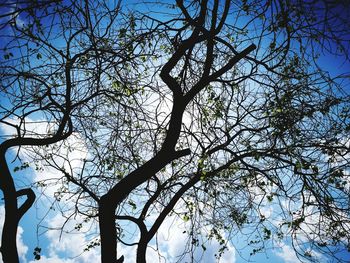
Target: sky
(58, 247)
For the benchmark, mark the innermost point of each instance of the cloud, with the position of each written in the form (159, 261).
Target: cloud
(68, 245)
(172, 240)
(54, 259)
(287, 254)
(9, 12)
(169, 245)
(29, 127)
(67, 154)
(21, 247)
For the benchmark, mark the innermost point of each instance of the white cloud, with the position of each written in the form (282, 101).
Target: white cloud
(172, 240)
(21, 247)
(54, 259)
(169, 245)
(67, 154)
(72, 150)
(129, 254)
(68, 247)
(287, 254)
(8, 13)
(70, 242)
(33, 128)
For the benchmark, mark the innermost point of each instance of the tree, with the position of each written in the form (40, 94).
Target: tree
(55, 58)
(220, 111)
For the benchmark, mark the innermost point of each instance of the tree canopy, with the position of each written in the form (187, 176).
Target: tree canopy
(230, 116)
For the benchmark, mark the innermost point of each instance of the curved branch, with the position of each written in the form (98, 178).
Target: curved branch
(29, 193)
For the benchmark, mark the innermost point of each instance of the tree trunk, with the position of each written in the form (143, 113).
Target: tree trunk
(9, 232)
(141, 251)
(108, 232)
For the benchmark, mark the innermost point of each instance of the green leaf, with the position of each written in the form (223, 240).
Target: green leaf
(269, 198)
(186, 218)
(314, 169)
(20, 168)
(201, 163)
(272, 45)
(115, 84)
(298, 165)
(267, 233)
(122, 32)
(132, 204)
(257, 156)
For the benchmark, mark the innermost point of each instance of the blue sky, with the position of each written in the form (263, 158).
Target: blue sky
(60, 247)
(69, 248)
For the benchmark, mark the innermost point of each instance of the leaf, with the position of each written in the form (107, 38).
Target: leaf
(267, 233)
(36, 253)
(186, 218)
(115, 84)
(22, 167)
(122, 32)
(298, 165)
(257, 156)
(272, 45)
(128, 92)
(201, 163)
(245, 8)
(269, 198)
(132, 204)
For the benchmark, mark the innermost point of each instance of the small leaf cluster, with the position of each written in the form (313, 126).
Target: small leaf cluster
(36, 253)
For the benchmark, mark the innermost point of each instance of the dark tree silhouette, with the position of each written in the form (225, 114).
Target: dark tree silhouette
(55, 57)
(209, 111)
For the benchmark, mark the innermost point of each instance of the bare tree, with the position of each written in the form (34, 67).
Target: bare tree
(213, 111)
